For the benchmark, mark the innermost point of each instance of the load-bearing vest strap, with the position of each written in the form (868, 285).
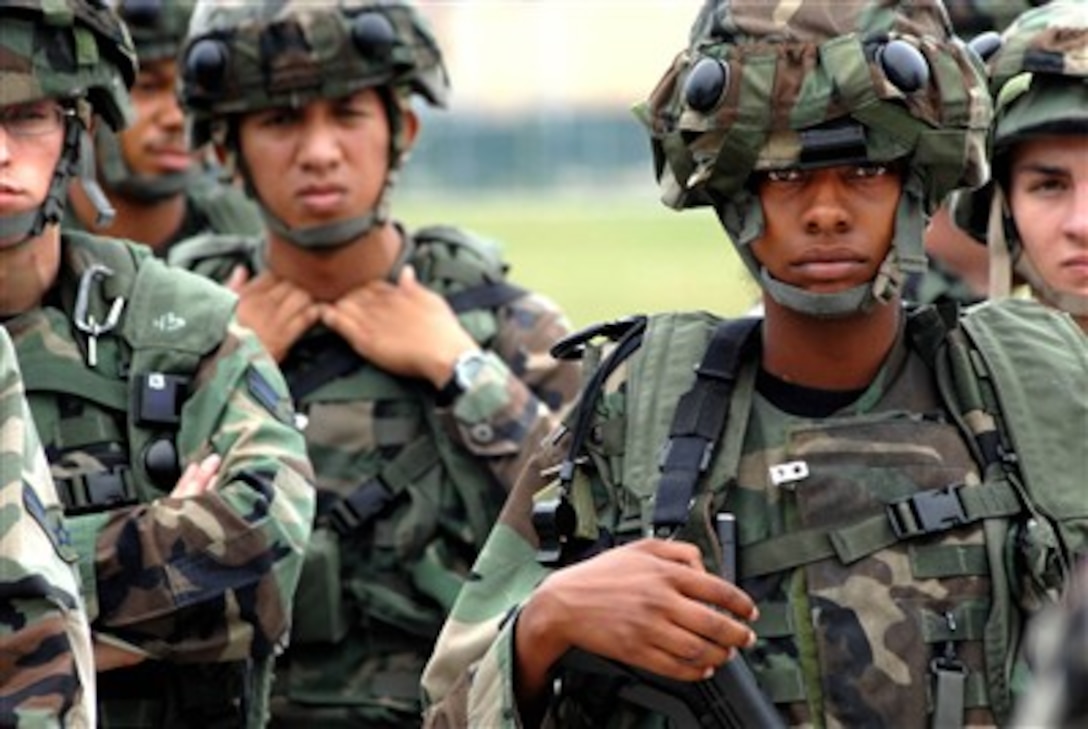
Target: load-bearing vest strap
(922, 513)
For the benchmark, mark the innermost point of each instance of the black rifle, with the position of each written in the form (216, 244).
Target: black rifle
(730, 699)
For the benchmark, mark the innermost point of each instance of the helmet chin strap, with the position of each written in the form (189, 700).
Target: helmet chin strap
(746, 226)
(76, 160)
(1007, 255)
(119, 177)
(1075, 304)
(332, 235)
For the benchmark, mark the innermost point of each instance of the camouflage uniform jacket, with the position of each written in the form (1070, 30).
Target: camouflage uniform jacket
(210, 207)
(204, 581)
(364, 630)
(47, 670)
(849, 628)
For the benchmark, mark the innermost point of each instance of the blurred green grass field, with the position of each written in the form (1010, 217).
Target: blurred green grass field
(602, 259)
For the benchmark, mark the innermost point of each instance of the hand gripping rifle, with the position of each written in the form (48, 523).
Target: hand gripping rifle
(731, 698)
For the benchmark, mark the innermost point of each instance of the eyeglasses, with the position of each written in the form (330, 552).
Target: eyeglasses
(35, 119)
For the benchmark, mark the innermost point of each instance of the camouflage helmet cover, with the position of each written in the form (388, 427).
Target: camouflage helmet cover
(971, 18)
(66, 49)
(1039, 81)
(784, 68)
(158, 27)
(243, 56)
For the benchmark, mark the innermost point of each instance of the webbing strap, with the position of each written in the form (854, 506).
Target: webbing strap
(951, 692)
(851, 543)
(50, 374)
(699, 421)
(336, 359)
(485, 296)
(371, 497)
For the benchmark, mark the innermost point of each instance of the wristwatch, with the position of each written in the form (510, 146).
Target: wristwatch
(466, 368)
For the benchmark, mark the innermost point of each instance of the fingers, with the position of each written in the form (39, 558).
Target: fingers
(697, 584)
(197, 478)
(237, 279)
(277, 311)
(107, 657)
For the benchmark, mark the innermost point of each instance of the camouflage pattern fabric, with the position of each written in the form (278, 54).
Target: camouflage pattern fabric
(46, 659)
(81, 49)
(193, 584)
(391, 584)
(1058, 650)
(243, 57)
(845, 638)
(791, 66)
(974, 17)
(158, 28)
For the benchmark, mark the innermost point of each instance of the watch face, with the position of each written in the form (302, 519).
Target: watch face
(468, 368)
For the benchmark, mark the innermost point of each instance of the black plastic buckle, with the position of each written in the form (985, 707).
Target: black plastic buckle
(94, 492)
(926, 512)
(356, 510)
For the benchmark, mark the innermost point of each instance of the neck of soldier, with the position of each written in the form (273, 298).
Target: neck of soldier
(151, 223)
(327, 275)
(27, 271)
(828, 353)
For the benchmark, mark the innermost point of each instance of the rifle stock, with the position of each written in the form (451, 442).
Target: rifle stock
(730, 699)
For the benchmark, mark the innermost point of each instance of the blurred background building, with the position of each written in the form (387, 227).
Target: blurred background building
(542, 91)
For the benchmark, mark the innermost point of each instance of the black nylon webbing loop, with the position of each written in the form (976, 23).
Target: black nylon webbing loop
(699, 421)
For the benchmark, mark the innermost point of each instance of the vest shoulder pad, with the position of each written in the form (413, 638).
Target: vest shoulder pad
(214, 255)
(450, 259)
(228, 209)
(1036, 359)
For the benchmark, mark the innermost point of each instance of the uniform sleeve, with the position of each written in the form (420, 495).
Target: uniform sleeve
(211, 578)
(46, 663)
(522, 393)
(469, 680)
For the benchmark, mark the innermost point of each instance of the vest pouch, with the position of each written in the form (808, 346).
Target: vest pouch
(872, 616)
(1034, 558)
(318, 615)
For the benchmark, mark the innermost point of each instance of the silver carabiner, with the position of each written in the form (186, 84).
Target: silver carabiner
(84, 320)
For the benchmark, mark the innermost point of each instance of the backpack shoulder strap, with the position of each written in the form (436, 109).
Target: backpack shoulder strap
(699, 422)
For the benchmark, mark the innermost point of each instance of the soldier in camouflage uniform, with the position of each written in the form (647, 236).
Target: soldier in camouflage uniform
(422, 376)
(825, 449)
(167, 426)
(46, 663)
(1034, 213)
(959, 272)
(159, 190)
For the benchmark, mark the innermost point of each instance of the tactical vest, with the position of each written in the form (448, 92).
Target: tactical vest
(960, 500)
(107, 396)
(402, 509)
(227, 209)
